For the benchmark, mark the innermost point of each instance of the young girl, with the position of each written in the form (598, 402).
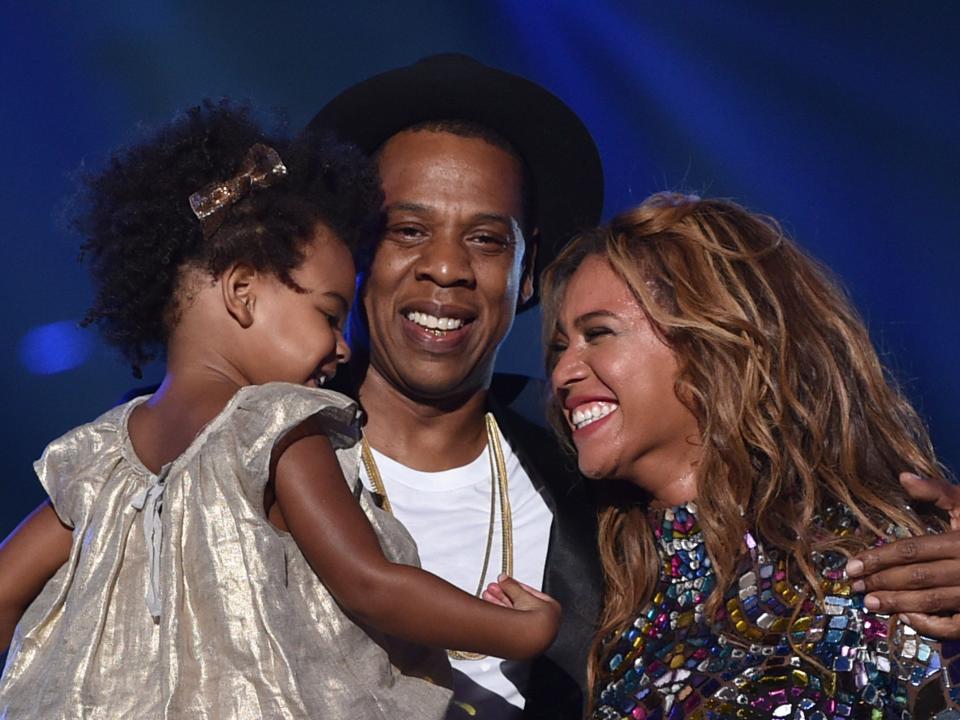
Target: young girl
(201, 554)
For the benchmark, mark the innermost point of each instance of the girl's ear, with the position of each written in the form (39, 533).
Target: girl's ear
(238, 285)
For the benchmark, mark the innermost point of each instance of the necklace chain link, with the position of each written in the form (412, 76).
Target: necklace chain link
(498, 488)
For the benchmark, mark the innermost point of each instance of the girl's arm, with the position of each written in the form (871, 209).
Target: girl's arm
(337, 540)
(28, 559)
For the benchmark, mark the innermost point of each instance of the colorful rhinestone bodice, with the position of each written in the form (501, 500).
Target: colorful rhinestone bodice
(760, 656)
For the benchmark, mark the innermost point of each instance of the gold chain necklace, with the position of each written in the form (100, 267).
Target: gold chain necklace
(498, 487)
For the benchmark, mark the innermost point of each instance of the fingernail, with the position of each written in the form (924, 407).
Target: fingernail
(870, 602)
(854, 567)
(501, 577)
(858, 586)
(910, 475)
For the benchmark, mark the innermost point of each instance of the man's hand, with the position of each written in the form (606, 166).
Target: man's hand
(917, 577)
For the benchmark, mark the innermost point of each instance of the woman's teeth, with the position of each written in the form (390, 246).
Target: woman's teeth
(586, 414)
(431, 322)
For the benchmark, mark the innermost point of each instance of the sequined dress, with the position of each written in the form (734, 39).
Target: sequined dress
(674, 663)
(181, 600)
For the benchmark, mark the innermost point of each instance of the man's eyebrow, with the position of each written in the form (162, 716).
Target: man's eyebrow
(411, 207)
(427, 210)
(492, 217)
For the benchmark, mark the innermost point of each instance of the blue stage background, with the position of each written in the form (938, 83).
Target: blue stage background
(839, 119)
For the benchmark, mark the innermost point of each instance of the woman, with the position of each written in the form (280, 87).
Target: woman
(698, 355)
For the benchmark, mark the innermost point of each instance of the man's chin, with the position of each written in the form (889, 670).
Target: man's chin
(426, 385)
(442, 391)
(432, 382)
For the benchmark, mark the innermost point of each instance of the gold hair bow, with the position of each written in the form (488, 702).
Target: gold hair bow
(261, 168)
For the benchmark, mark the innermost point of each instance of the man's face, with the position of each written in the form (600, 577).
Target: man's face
(445, 280)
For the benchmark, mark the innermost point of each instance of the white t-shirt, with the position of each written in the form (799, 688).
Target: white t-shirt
(448, 514)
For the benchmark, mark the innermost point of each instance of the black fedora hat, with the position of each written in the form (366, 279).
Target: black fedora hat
(560, 153)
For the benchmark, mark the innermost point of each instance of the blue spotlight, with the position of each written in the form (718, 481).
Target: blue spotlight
(54, 348)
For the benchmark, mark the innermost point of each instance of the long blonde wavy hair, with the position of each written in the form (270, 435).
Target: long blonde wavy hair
(795, 411)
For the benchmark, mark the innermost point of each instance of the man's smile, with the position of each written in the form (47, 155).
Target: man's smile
(432, 322)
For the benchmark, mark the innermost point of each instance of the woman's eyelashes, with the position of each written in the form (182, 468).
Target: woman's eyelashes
(591, 334)
(596, 332)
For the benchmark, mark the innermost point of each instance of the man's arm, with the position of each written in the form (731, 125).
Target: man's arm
(918, 577)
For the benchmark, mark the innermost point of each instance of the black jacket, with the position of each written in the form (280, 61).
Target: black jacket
(557, 685)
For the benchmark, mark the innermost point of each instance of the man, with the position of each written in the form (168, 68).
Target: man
(485, 175)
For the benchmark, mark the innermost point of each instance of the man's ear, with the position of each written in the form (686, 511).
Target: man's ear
(238, 286)
(528, 268)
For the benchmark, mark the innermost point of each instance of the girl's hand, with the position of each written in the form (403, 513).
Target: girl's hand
(495, 594)
(543, 612)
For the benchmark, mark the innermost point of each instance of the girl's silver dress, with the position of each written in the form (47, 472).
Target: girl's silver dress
(181, 600)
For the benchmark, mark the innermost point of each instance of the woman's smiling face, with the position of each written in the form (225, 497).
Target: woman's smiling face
(615, 379)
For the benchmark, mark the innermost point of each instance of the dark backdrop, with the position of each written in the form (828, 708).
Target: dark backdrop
(841, 119)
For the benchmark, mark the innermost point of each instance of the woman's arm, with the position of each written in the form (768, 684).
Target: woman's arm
(337, 540)
(28, 559)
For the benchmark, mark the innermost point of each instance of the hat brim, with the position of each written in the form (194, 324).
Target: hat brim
(560, 153)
